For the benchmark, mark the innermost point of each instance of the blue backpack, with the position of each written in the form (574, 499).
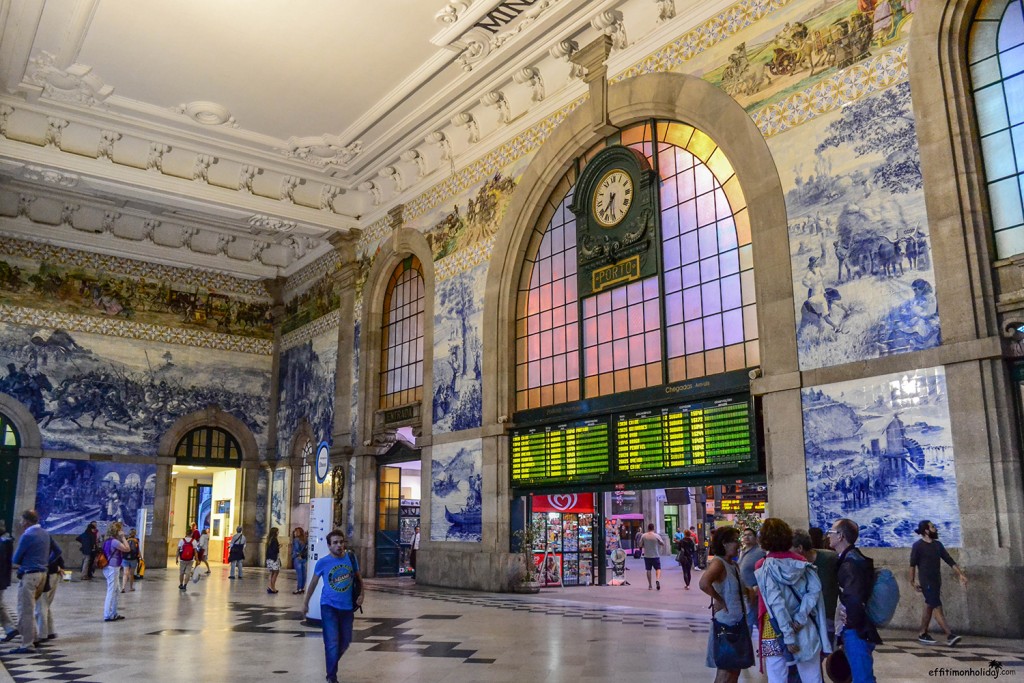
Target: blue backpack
(885, 596)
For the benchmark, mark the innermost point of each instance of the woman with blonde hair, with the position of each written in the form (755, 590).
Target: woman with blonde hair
(114, 547)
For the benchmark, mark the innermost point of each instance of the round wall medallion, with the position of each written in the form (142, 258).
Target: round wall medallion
(207, 113)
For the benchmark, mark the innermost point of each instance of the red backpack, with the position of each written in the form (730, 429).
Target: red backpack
(188, 551)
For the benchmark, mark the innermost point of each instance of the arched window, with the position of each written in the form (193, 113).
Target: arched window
(696, 318)
(9, 437)
(10, 442)
(996, 59)
(209, 446)
(401, 374)
(306, 473)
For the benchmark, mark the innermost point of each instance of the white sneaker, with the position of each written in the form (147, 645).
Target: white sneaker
(195, 578)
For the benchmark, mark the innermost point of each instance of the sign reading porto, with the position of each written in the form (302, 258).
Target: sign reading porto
(617, 219)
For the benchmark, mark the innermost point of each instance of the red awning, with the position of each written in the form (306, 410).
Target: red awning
(564, 502)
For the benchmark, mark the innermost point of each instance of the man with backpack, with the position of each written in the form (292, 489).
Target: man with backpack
(131, 561)
(924, 562)
(856, 581)
(186, 558)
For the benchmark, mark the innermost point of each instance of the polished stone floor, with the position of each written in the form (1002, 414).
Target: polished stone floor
(222, 630)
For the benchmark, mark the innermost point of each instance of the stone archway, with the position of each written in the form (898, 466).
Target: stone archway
(212, 416)
(695, 102)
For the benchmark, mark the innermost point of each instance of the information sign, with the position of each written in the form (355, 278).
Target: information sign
(568, 452)
(701, 437)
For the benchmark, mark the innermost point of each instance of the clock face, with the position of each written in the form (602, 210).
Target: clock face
(612, 198)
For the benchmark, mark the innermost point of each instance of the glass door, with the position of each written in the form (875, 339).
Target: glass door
(388, 545)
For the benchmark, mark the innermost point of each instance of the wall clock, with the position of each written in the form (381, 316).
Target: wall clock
(612, 198)
(617, 220)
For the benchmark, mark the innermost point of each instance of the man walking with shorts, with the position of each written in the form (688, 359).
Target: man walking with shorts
(924, 561)
(340, 573)
(652, 544)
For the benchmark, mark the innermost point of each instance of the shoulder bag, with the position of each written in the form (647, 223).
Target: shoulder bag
(357, 583)
(732, 648)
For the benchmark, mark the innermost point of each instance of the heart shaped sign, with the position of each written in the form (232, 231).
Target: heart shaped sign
(563, 502)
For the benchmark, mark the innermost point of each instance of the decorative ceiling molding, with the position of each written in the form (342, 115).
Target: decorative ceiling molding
(50, 176)
(133, 154)
(207, 113)
(324, 150)
(611, 24)
(59, 219)
(530, 75)
(466, 120)
(75, 83)
(666, 10)
(497, 101)
(269, 225)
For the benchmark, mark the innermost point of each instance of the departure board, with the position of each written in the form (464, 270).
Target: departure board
(572, 451)
(710, 436)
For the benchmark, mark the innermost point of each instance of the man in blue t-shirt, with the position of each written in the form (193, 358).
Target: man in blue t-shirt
(340, 572)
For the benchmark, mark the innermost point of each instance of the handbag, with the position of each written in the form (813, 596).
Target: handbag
(837, 667)
(732, 649)
(101, 559)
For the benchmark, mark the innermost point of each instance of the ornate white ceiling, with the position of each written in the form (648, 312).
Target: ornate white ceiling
(239, 134)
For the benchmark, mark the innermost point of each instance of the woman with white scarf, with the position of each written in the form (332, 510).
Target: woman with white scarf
(791, 608)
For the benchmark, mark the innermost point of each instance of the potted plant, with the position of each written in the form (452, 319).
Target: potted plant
(525, 580)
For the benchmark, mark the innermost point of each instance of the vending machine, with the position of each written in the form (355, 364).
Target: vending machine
(321, 521)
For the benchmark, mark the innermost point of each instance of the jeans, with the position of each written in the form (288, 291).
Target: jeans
(110, 604)
(858, 653)
(300, 574)
(236, 564)
(337, 625)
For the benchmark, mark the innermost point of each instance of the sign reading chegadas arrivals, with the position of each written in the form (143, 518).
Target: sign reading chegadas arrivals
(617, 220)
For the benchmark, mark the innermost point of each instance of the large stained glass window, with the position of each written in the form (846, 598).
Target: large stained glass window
(697, 318)
(710, 316)
(996, 59)
(401, 374)
(547, 327)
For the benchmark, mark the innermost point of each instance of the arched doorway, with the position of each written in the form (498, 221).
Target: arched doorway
(206, 487)
(10, 445)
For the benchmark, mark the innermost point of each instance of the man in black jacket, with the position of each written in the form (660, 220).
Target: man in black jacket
(856, 581)
(89, 541)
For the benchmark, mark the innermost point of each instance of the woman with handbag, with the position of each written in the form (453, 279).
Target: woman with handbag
(729, 646)
(114, 548)
(791, 608)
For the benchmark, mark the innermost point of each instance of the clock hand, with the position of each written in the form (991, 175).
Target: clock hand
(611, 203)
